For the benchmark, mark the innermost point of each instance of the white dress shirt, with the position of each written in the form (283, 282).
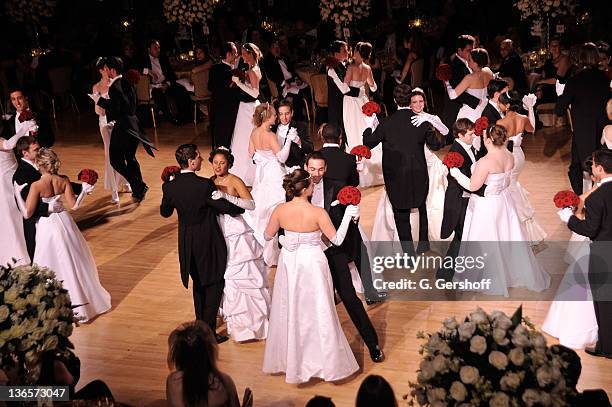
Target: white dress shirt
(156, 67)
(492, 103)
(318, 196)
(331, 145)
(18, 124)
(600, 183)
(464, 62)
(281, 133)
(468, 150)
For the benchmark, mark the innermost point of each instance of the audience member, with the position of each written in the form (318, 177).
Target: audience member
(375, 391)
(512, 66)
(320, 401)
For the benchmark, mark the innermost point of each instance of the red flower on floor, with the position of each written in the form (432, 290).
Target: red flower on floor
(566, 199)
(453, 160)
(89, 176)
(361, 151)
(132, 76)
(349, 195)
(444, 72)
(26, 115)
(370, 108)
(170, 171)
(481, 125)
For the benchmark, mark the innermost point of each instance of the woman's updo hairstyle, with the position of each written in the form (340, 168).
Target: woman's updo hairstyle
(229, 157)
(262, 113)
(48, 160)
(512, 98)
(295, 183)
(364, 49)
(480, 56)
(497, 134)
(253, 50)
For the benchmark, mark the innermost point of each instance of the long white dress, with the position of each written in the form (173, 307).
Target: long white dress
(305, 338)
(246, 300)
(354, 125)
(492, 226)
(571, 317)
(535, 233)
(467, 112)
(12, 239)
(61, 247)
(113, 181)
(267, 192)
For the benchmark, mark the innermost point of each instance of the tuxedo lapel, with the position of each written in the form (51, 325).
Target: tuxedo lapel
(328, 195)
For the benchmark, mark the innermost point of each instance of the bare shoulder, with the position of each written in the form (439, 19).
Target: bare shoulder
(236, 181)
(487, 71)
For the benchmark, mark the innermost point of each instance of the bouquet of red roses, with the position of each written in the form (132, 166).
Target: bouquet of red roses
(89, 176)
(331, 62)
(240, 74)
(132, 76)
(25, 116)
(444, 72)
(370, 108)
(361, 151)
(566, 199)
(348, 195)
(453, 160)
(170, 171)
(481, 125)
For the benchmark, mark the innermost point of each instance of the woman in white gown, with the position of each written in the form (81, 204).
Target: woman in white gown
(510, 103)
(112, 179)
(357, 76)
(305, 338)
(246, 300)
(492, 225)
(267, 189)
(60, 245)
(474, 83)
(12, 241)
(243, 166)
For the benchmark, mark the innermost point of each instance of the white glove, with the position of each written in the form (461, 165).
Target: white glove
(559, 88)
(451, 92)
(216, 195)
(351, 212)
(606, 141)
(235, 79)
(20, 202)
(529, 101)
(461, 178)
(283, 153)
(248, 204)
(565, 214)
(360, 165)
(293, 135)
(418, 119)
(56, 206)
(371, 121)
(26, 128)
(86, 190)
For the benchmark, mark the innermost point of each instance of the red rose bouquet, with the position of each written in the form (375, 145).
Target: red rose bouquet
(89, 176)
(25, 116)
(349, 195)
(170, 171)
(240, 74)
(453, 160)
(444, 72)
(370, 108)
(566, 199)
(481, 125)
(132, 76)
(361, 151)
(331, 62)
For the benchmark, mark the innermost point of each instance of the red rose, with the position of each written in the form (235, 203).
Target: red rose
(25, 116)
(349, 195)
(565, 199)
(331, 62)
(170, 171)
(370, 108)
(481, 125)
(132, 76)
(361, 151)
(240, 74)
(444, 72)
(453, 160)
(89, 176)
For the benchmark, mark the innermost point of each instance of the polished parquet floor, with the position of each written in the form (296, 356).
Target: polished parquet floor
(136, 252)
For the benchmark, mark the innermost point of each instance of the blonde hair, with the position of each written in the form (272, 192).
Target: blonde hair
(48, 160)
(253, 50)
(262, 113)
(609, 109)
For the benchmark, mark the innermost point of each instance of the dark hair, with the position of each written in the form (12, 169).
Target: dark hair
(320, 401)
(497, 134)
(193, 351)
(206, 51)
(495, 85)
(17, 88)
(286, 102)
(184, 153)
(225, 152)
(462, 126)
(226, 47)
(364, 49)
(151, 42)
(418, 92)
(315, 155)
(115, 63)
(464, 40)
(24, 143)
(588, 56)
(100, 62)
(480, 56)
(295, 183)
(416, 39)
(329, 133)
(573, 366)
(603, 157)
(402, 94)
(587, 165)
(336, 46)
(375, 391)
(512, 98)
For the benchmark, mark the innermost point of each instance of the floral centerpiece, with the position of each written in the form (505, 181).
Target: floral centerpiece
(189, 12)
(545, 8)
(344, 12)
(35, 317)
(34, 11)
(489, 359)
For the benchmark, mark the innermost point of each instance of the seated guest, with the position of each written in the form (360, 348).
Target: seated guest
(375, 391)
(512, 66)
(280, 71)
(197, 380)
(203, 61)
(556, 67)
(320, 401)
(303, 146)
(169, 97)
(128, 55)
(38, 122)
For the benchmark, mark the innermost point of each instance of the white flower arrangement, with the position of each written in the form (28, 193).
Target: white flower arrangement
(189, 12)
(34, 11)
(489, 359)
(35, 317)
(541, 8)
(344, 12)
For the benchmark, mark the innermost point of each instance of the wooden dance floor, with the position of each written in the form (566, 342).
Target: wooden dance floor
(136, 252)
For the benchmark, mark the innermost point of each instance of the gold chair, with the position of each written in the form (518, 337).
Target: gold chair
(143, 93)
(318, 89)
(201, 93)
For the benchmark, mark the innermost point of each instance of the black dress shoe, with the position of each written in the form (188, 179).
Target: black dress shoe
(221, 338)
(376, 299)
(139, 197)
(597, 353)
(376, 354)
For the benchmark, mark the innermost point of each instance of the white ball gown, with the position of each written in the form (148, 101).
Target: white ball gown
(305, 338)
(467, 112)
(535, 233)
(354, 125)
(573, 322)
(113, 181)
(61, 247)
(267, 193)
(492, 226)
(12, 239)
(246, 300)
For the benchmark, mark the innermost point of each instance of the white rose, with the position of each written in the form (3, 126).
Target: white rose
(544, 375)
(458, 391)
(531, 397)
(440, 364)
(65, 329)
(538, 357)
(466, 330)
(33, 299)
(510, 381)
(19, 304)
(520, 339)
(538, 340)
(478, 344)
(435, 394)
(16, 331)
(498, 359)
(50, 343)
(450, 323)
(38, 333)
(499, 336)
(517, 356)
(478, 316)
(31, 357)
(52, 314)
(499, 399)
(427, 371)
(40, 290)
(469, 374)
(11, 295)
(502, 322)
(4, 313)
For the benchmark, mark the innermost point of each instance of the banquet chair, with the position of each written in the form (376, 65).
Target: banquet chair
(61, 80)
(201, 94)
(318, 89)
(144, 95)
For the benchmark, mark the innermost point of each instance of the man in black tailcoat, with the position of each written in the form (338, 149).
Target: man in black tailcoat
(224, 101)
(38, 122)
(287, 125)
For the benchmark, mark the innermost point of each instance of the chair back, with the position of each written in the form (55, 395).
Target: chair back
(142, 89)
(200, 85)
(416, 72)
(318, 85)
(61, 78)
(273, 89)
